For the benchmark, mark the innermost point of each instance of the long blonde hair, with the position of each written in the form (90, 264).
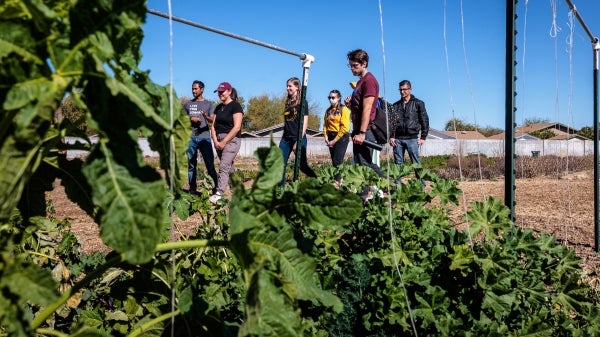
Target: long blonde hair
(291, 101)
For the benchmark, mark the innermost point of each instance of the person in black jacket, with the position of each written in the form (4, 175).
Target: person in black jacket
(411, 125)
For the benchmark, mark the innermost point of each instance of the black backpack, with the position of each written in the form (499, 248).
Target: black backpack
(379, 125)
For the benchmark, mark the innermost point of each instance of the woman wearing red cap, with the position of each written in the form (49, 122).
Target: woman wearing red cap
(226, 132)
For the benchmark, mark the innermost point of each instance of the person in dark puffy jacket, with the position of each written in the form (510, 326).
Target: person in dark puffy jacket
(410, 125)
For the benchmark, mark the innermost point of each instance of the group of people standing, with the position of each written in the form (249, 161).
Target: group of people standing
(222, 125)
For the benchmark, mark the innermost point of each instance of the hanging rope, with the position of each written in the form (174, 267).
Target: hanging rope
(523, 94)
(470, 82)
(458, 155)
(172, 167)
(390, 217)
(566, 220)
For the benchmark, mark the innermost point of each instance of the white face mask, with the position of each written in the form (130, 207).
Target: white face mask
(333, 101)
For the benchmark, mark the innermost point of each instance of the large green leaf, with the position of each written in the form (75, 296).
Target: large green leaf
(491, 216)
(269, 314)
(22, 283)
(324, 206)
(130, 201)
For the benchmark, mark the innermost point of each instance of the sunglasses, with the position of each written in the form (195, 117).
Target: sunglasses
(332, 97)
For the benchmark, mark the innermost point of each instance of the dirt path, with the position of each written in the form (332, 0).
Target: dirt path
(561, 207)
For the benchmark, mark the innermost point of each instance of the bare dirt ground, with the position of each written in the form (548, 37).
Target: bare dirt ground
(561, 207)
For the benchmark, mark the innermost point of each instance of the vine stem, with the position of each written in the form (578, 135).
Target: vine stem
(39, 319)
(162, 247)
(152, 322)
(51, 332)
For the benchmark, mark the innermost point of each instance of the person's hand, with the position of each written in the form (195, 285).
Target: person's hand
(358, 138)
(347, 100)
(195, 119)
(332, 143)
(393, 142)
(327, 142)
(421, 141)
(219, 145)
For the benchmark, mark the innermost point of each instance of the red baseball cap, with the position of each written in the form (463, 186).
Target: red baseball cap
(223, 86)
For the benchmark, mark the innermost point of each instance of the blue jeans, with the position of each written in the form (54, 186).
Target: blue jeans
(363, 155)
(286, 144)
(206, 150)
(406, 145)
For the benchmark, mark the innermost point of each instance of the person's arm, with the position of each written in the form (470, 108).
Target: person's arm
(424, 120)
(304, 126)
(394, 125)
(344, 123)
(366, 113)
(365, 120)
(213, 134)
(210, 114)
(325, 128)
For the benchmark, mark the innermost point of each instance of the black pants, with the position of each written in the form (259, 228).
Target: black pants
(363, 155)
(338, 151)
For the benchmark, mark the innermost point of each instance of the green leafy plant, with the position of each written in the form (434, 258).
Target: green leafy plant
(306, 259)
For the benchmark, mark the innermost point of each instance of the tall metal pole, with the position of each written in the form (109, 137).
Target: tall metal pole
(596, 188)
(306, 62)
(595, 47)
(509, 104)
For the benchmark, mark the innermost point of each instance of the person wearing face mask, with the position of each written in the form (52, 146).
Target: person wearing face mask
(336, 128)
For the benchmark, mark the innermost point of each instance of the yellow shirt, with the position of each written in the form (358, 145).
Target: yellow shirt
(337, 120)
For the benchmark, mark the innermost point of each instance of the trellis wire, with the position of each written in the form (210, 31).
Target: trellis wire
(459, 158)
(172, 165)
(390, 217)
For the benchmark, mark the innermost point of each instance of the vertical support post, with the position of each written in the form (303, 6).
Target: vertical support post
(306, 63)
(596, 47)
(509, 141)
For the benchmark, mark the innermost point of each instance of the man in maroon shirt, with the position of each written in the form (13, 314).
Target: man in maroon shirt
(363, 104)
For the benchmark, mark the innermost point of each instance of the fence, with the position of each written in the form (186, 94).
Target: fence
(432, 147)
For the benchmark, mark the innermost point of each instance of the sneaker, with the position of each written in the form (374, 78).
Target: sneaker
(215, 198)
(366, 194)
(337, 183)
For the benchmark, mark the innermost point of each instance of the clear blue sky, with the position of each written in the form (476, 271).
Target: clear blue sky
(555, 77)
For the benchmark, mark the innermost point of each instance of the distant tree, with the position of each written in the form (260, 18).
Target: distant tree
(543, 134)
(456, 124)
(314, 122)
(490, 131)
(265, 111)
(535, 120)
(586, 131)
(184, 99)
(240, 100)
(73, 114)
